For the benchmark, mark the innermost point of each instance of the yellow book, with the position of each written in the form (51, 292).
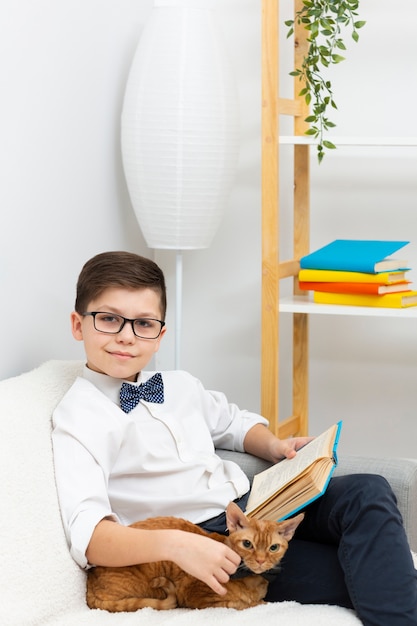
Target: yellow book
(337, 276)
(388, 300)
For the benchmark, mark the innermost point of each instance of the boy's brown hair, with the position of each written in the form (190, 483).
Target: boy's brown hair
(118, 269)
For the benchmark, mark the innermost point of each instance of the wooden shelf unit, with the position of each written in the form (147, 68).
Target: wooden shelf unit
(274, 269)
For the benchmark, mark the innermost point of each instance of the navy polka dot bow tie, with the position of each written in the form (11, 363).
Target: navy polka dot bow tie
(150, 391)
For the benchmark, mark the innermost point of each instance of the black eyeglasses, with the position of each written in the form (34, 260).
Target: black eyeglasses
(110, 323)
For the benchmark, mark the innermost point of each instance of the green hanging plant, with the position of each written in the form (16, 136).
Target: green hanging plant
(324, 20)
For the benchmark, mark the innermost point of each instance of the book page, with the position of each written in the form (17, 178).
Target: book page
(274, 478)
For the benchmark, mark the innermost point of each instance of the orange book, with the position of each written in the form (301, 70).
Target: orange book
(369, 288)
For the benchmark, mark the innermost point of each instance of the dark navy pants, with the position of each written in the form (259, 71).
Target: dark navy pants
(351, 550)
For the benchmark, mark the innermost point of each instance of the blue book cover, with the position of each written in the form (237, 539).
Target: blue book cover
(356, 255)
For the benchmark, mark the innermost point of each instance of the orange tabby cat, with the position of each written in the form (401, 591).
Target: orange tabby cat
(164, 585)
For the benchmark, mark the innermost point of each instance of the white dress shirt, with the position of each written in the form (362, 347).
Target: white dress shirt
(158, 459)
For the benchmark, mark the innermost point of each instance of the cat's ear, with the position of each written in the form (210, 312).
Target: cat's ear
(289, 526)
(235, 518)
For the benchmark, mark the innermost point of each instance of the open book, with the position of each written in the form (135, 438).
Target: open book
(288, 486)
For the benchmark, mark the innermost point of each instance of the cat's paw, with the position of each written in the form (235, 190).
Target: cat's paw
(168, 587)
(160, 581)
(258, 584)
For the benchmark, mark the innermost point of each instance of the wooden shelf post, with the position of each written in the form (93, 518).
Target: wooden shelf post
(273, 269)
(270, 215)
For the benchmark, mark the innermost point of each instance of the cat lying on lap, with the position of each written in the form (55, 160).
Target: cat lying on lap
(261, 545)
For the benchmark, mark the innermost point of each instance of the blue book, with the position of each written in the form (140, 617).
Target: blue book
(290, 485)
(356, 255)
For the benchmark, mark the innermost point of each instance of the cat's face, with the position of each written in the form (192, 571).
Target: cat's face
(260, 543)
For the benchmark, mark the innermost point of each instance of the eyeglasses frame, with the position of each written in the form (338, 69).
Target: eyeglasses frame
(125, 319)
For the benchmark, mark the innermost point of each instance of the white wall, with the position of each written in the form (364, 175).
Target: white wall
(63, 198)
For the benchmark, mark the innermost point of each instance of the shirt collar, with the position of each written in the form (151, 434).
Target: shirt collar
(107, 384)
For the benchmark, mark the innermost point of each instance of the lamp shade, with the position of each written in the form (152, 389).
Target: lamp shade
(180, 128)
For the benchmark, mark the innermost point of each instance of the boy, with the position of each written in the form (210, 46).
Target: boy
(120, 458)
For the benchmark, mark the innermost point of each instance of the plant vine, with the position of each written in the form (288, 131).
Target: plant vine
(324, 20)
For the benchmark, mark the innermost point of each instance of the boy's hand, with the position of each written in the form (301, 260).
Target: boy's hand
(261, 442)
(208, 560)
(287, 448)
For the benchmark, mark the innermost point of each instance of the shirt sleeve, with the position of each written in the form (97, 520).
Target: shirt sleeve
(81, 476)
(228, 423)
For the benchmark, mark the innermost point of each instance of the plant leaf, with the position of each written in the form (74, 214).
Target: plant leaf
(324, 20)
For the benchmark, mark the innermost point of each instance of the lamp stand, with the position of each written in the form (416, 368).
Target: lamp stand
(178, 307)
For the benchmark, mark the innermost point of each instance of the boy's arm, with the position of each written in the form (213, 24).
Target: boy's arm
(114, 545)
(260, 441)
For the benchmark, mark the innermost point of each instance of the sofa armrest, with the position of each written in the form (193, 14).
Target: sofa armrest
(250, 464)
(400, 473)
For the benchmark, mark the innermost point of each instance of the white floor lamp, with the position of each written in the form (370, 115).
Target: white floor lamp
(180, 131)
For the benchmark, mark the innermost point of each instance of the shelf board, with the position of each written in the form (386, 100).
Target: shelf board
(399, 142)
(305, 304)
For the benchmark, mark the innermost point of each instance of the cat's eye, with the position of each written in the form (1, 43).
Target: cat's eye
(247, 544)
(274, 547)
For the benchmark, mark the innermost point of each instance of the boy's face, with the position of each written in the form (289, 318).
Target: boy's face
(122, 355)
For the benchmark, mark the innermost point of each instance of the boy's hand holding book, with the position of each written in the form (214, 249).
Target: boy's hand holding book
(288, 448)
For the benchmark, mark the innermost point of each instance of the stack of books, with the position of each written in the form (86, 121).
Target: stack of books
(358, 272)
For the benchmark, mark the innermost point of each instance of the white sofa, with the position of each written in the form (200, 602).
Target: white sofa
(39, 582)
